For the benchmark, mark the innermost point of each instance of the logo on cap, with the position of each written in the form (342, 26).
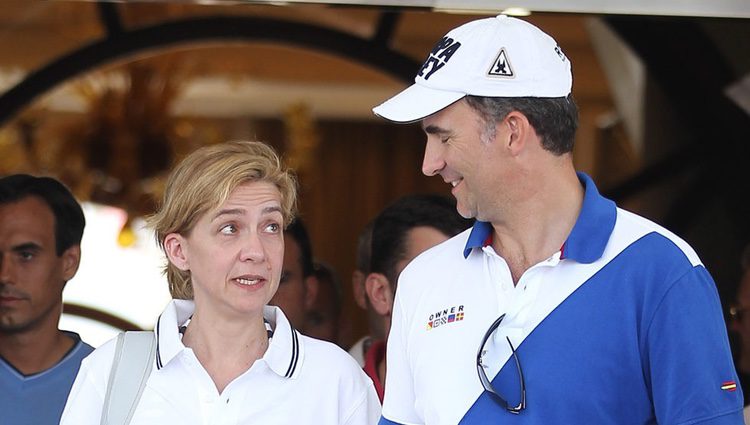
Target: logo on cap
(439, 56)
(501, 66)
(560, 53)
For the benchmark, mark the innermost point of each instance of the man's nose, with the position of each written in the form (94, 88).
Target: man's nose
(433, 161)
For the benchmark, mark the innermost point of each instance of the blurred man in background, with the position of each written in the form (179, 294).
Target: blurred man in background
(374, 324)
(401, 232)
(323, 319)
(41, 226)
(298, 287)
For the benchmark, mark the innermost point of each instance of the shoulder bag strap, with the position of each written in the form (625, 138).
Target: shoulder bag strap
(134, 358)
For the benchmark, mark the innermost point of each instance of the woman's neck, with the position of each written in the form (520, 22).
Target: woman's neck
(226, 350)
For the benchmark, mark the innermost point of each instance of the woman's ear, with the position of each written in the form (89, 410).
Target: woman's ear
(379, 292)
(175, 247)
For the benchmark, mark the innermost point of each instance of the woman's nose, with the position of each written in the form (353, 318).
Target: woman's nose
(252, 248)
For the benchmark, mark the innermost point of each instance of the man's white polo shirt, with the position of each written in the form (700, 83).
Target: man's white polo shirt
(623, 325)
(299, 380)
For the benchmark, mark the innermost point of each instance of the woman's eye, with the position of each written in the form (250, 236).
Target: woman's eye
(228, 229)
(273, 228)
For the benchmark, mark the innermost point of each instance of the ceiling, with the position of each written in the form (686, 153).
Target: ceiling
(254, 75)
(716, 8)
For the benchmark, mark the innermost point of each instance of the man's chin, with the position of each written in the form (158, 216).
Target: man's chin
(466, 215)
(464, 211)
(9, 326)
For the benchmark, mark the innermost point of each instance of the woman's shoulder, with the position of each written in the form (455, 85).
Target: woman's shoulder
(323, 353)
(102, 357)
(328, 365)
(102, 354)
(329, 361)
(339, 384)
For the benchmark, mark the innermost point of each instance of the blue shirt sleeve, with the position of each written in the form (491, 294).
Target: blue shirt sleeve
(689, 365)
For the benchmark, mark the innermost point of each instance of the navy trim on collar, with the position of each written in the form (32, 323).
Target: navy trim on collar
(295, 355)
(286, 349)
(589, 236)
(159, 363)
(593, 227)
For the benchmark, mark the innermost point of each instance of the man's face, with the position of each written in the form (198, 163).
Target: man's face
(292, 295)
(322, 319)
(32, 276)
(456, 152)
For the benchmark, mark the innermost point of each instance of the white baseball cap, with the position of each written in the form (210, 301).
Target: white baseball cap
(491, 57)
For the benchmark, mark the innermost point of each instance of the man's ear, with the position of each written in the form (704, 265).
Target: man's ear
(71, 259)
(312, 284)
(517, 128)
(175, 247)
(379, 292)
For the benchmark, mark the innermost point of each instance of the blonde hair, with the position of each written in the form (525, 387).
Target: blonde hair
(203, 181)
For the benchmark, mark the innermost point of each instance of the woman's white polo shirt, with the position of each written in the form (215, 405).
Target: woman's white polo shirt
(299, 380)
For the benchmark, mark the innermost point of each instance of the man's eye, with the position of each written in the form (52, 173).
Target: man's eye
(273, 228)
(228, 229)
(26, 255)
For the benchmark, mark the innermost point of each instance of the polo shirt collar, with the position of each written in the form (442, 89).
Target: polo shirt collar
(284, 354)
(590, 233)
(167, 329)
(480, 236)
(286, 351)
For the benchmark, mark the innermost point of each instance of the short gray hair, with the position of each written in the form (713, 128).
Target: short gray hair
(555, 119)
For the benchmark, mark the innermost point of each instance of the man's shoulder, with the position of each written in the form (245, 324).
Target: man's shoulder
(76, 355)
(80, 348)
(655, 242)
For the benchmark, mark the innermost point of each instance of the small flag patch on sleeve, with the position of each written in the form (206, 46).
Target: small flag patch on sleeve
(729, 386)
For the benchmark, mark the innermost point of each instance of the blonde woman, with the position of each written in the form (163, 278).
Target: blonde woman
(223, 356)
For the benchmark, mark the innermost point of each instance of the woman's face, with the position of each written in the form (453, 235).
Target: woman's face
(235, 252)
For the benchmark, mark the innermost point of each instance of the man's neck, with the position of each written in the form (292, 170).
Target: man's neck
(538, 227)
(35, 352)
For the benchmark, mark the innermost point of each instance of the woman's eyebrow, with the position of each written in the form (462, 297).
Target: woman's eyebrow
(230, 211)
(241, 211)
(272, 209)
